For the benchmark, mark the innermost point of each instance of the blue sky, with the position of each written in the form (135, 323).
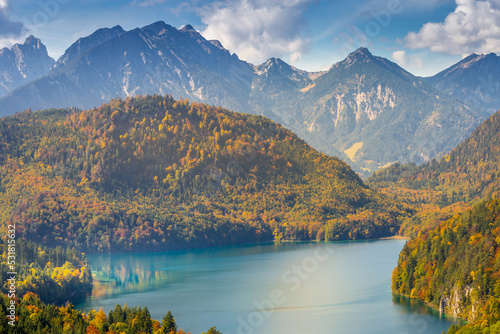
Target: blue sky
(423, 36)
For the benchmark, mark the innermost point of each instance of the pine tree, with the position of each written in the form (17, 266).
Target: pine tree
(213, 330)
(168, 323)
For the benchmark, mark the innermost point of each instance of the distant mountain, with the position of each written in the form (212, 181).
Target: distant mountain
(474, 79)
(365, 109)
(155, 59)
(23, 63)
(155, 173)
(89, 42)
(440, 188)
(469, 172)
(276, 91)
(374, 112)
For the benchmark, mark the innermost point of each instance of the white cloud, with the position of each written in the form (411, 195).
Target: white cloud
(474, 26)
(8, 28)
(8, 42)
(407, 61)
(257, 29)
(400, 57)
(145, 3)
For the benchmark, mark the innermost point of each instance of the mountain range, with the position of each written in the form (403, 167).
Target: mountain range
(23, 63)
(468, 173)
(373, 112)
(474, 80)
(364, 109)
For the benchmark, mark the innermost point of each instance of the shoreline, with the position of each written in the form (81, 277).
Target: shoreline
(395, 237)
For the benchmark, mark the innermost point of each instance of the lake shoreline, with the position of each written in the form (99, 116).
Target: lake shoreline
(395, 237)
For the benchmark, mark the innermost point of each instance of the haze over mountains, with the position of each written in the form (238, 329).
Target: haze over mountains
(475, 79)
(23, 63)
(375, 112)
(365, 109)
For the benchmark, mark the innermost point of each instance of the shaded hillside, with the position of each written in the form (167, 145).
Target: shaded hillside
(468, 172)
(153, 173)
(57, 275)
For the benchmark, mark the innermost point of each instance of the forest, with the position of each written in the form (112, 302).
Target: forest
(56, 275)
(443, 187)
(452, 261)
(35, 316)
(152, 173)
(456, 267)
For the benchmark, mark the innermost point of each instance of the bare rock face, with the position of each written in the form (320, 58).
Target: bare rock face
(461, 303)
(369, 111)
(23, 63)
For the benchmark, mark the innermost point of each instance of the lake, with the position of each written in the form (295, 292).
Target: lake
(268, 288)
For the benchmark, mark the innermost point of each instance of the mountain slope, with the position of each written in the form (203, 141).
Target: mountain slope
(365, 109)
(153, 173)
(375, 112)
(155, 59)
(23, 63)
(473, 79)
(455, 268)
(89, 42)
(469, 172)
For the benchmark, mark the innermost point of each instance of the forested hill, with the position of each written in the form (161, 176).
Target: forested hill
(468, 172)
(151, 173)
(456, 268)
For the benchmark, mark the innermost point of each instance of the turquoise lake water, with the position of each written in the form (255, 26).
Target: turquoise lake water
(292, 288)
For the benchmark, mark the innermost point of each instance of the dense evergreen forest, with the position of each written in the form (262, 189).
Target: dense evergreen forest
(455, 267)
(36, 317)
(152, 173)
(56, 275)
(453, 260)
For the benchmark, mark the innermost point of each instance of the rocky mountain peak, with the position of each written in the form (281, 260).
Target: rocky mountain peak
(359, 56)
(217, 43)
(23, 63)
(86, 43)
(32, 40)
(187, 27)
(361, 53)
(273, 65)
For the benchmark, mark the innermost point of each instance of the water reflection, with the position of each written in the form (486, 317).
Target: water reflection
(420, 316)
(347, 293)
(115, 275)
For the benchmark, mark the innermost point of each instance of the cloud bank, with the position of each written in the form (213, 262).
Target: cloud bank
(407, 61)
(8, 28)
(257, 29)
(146, 3)
(474, 26)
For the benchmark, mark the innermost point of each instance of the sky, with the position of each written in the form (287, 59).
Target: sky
(422, 36)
